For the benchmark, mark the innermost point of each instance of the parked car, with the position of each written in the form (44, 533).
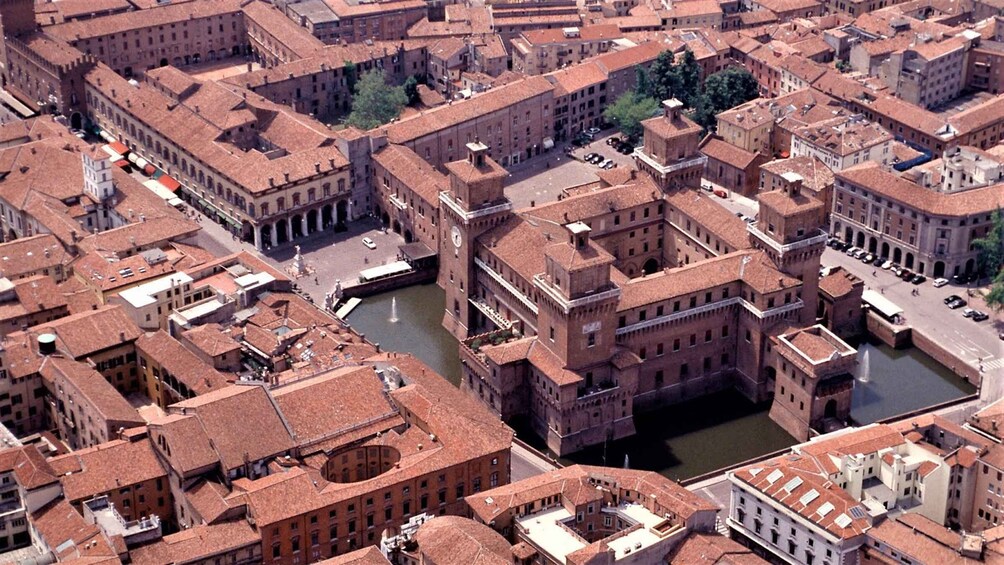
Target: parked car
(952, 298)
(938, 283)
(906, 275)
(879, 261)
(589, 157)
(846, 245)
(369, 243)
(867, 258)
(625, 149)
(597, 159)
(721, 193)
(979, 316)
(887, 265)
(918, 279)
(968, 313)
(593, 131)
(750, 220)
(609, 164)
(965, 278)
(859, 254)
(613, 140)
(956, 304)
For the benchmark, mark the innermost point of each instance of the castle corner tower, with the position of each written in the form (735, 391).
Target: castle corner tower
(790, 230)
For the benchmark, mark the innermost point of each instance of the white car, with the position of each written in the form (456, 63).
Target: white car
(604, 164)
(593, 131)
(369, 243)
(938, 283)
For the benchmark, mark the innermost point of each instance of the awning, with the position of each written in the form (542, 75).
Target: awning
(121, 163)
(169, 182)
(118, 147)
(133, 158)
(149, 170)
(141, 163)
(115, 155)
(548, 143)
(233, 222)
(883, 305)
(106, 136)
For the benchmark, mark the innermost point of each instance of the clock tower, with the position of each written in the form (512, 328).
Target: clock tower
(474, 203)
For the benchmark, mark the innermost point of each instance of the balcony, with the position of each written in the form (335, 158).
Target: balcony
(818, 239)
(102, 512)
(698, 161)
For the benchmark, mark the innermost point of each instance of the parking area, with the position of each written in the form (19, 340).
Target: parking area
(543, 179)
(602, 147)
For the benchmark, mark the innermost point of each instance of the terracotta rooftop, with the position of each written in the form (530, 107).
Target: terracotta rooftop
(107, 467)
(60, 373)
(182, 364)
(197, 543)
(873, 178)
(476, 107)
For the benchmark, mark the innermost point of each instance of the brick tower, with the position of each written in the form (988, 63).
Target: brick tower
(790, 230)
(474, 203)
(669, 153)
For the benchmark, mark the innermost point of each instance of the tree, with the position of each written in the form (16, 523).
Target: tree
(411, 90)
(991, 247)
(991, 259)
(722, 91)
(688, 79)
(642, 84)
(628, 112)
(375, 102)
(995, 298)
(661, 84)
(351, 74)
(669, 78)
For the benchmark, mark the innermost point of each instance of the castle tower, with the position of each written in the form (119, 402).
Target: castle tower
(669, 153)
(579, 302)
(790, 229)
(474, 203)
(17, 17)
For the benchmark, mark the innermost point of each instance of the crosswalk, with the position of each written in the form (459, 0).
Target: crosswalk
(993, 364)
(720, 527)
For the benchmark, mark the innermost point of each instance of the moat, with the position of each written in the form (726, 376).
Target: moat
(683, 440)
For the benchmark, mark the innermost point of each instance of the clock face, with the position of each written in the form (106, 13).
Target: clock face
(455, 235)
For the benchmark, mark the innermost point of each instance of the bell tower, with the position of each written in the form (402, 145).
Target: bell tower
(790, 230)
(474, 204)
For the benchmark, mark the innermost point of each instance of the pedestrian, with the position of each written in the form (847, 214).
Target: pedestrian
(874, 273)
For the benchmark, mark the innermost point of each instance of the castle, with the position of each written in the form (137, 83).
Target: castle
(637, 293)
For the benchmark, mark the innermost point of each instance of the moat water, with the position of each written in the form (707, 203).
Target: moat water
(683, 440)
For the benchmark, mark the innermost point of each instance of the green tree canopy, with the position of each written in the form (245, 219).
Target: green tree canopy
(991, 259)
(991, 246)
(375, 102)
(722, 91)
(411, 90)
(628, 111)
(668, 78)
